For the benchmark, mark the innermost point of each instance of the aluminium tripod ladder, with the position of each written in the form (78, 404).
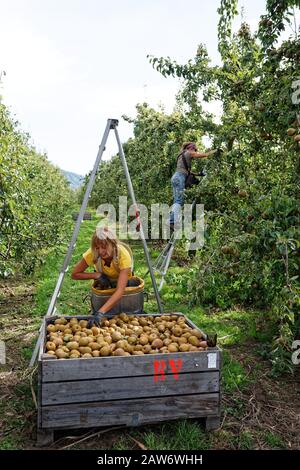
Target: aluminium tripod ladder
(111, 124)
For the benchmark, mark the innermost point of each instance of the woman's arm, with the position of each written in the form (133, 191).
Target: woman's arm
(78, 271)
(122, 283)
(202, 154)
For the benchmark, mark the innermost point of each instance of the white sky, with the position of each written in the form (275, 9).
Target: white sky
(71, 64)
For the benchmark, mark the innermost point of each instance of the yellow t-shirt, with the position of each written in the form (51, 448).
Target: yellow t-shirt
(113, 270)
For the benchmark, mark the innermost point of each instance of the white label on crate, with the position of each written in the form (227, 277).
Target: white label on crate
(2, 353)
(212, 360)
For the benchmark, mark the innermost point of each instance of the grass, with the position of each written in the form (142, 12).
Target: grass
(178, 435)
(17, 415)
(273, 440)
(10, 443)
(72, 293)
(240, 332)
(234, 375)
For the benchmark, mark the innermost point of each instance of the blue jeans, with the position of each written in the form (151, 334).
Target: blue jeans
(178, 183)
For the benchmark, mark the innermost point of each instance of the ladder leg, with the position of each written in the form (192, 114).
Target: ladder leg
(166, 259)
(159, 262)
(131, 192)
(161, 257)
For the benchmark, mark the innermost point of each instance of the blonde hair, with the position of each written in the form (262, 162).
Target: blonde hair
(103, 236)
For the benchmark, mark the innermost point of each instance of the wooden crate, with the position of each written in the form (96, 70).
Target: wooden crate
(130, 390)
(86, 216)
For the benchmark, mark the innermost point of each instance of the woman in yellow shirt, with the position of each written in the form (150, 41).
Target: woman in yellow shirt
(112, 267)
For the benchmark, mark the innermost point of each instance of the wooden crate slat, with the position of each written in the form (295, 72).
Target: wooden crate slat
(73, 369)
(133, 387)
(130, 412)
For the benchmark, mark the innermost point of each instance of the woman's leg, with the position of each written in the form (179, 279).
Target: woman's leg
(178, 182)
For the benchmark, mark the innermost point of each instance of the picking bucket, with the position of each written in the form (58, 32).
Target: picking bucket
(132, 300)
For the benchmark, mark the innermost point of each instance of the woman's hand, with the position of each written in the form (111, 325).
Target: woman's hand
(211, 152)
(95, 319)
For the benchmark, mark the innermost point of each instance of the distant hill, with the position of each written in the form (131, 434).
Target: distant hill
(74, 179)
